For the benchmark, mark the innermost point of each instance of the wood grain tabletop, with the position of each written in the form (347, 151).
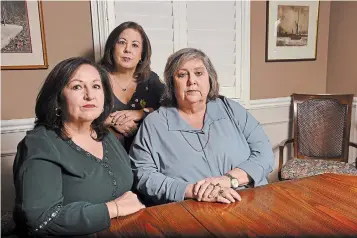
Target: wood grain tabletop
(323, 205)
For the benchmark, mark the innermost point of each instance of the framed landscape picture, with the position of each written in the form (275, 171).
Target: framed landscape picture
(23, 43)
(291, 30)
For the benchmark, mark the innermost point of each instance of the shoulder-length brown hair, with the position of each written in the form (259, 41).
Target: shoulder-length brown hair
(173, 64)
(51, 107)
(143, 69)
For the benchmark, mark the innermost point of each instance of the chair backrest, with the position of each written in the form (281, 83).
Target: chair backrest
(322, 126)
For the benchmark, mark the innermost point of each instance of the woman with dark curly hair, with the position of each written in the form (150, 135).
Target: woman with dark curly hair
(71, 176)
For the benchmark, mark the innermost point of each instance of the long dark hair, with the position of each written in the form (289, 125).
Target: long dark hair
(50, 102)
(143, 69)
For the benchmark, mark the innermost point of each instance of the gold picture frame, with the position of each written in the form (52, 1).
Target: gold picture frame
(23, 44)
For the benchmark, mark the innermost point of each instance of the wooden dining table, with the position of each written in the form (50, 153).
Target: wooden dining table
(322, 205)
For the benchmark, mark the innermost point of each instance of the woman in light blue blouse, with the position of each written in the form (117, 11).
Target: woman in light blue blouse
(198, 144)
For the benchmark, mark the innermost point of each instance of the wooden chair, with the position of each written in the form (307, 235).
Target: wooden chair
(321, 136)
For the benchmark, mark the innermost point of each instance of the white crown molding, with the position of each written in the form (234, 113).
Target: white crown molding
(8, 153)
(12, 132)
(277, 102)
(17, 125)
(23, 125)
(270, 103)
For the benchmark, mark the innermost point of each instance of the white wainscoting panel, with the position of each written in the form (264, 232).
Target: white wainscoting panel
(274, 116)
(7, 184)
(12, 132)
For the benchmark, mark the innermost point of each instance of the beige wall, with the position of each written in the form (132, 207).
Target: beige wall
(342, 54)
(281, 79)
(68, 33)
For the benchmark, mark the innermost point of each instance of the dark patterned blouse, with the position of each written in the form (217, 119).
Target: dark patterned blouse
(147, 95)
(61, 189)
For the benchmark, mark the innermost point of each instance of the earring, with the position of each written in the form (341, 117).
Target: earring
(58, 111)
(140, 61)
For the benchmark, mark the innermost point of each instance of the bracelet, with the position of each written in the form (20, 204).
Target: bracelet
(117, 208)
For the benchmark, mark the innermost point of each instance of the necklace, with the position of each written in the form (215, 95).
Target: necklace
(203, 147)
(125, 88)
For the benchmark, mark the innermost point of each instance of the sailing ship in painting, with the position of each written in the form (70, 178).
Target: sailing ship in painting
(292, 25)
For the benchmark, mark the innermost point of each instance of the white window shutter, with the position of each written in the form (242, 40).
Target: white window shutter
(219, 28)
(211, 27)
(157, 20)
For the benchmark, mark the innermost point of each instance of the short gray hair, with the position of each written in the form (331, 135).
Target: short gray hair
(174, 62)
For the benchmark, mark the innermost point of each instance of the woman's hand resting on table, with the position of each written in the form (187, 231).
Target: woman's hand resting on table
(211, 193)
(209, 188)
(127, 204)
(202, 188)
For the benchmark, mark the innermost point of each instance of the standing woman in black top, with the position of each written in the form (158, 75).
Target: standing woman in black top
(137, 90)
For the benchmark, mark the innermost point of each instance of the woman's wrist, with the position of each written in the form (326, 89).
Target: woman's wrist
(117, 207)
(147, 110)
(189, 191)
(112, 209)
(142, 114)
(241, 175)
(108, 123)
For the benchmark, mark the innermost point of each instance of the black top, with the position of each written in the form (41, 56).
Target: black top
(61, 189)
(147, 95)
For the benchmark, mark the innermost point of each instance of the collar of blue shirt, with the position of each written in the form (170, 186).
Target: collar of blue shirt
(214, 112)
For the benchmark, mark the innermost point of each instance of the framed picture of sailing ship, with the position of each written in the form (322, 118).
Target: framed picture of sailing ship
(291, 30)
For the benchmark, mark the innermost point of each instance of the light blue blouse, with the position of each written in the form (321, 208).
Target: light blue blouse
(168, 154)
